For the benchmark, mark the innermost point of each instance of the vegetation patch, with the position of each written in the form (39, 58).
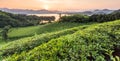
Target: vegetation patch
(31, 42)
(95, 43)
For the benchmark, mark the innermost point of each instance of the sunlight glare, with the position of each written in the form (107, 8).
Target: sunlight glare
(44, 1)
(46, 7)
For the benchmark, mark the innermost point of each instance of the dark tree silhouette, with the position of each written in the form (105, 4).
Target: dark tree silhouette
(22, 20)
(5, 32)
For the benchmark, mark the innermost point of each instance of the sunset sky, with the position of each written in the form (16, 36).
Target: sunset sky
(61, 4)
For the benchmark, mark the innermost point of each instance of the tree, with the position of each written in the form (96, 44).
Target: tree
(5, 32)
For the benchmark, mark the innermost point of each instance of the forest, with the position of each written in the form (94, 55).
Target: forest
(22, 20)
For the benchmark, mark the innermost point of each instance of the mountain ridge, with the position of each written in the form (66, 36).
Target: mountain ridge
(44, 11)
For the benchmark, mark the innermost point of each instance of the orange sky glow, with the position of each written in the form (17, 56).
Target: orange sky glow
(60, 4)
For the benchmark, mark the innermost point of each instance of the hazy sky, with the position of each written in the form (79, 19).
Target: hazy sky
(60, 4)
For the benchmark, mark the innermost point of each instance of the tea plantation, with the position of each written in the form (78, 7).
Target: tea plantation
(60, 42)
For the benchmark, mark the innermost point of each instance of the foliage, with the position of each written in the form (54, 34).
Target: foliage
(21, 32)
(93, 18)
(97, 43)
(62, 42)
(74, 18)
(31, 42)
(21, 20)
(5, 31)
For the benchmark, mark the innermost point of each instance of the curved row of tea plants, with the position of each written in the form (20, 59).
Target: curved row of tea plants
(16, 33)
(31, 42)
(97, 43)
(23, 32)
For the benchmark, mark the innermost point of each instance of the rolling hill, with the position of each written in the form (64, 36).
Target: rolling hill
(22, 32)
(82, 42)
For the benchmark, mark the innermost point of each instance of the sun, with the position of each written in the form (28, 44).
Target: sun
(46, 7)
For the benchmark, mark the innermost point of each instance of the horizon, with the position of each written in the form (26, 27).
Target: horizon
(60, 5)
(58, 10)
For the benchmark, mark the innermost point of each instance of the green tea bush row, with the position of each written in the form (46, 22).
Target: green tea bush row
(16, 33)
(31, 42)
(95, 43)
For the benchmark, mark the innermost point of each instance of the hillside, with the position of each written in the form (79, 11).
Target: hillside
(22, 20)
(32, 30)
(73, 38)
(99, 42)
(38, 39)
(22, 32)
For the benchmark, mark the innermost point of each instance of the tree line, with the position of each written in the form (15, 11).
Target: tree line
(21, 20)
(93, 18)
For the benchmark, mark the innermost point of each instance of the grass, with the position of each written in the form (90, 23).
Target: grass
(32, 30)
(31, 42)
(96, 42)
(0, 29)
(64, 42)
(1, 41)
(22, 32)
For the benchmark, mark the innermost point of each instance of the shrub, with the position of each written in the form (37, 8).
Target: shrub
(31, 42)
(93, 43)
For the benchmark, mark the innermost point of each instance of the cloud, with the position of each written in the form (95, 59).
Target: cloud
(48, 1)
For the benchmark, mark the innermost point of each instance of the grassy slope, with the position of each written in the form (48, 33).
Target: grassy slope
(92, 43)
(30, 31)
(16, 33)
(1, 41)
(31, 42)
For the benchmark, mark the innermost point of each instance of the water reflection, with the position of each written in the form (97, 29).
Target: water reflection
(57, 16)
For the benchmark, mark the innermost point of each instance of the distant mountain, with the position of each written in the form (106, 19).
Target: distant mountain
(97, 11)
(43, 11)
(104, 11)
(26, 11)
(117, 11)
